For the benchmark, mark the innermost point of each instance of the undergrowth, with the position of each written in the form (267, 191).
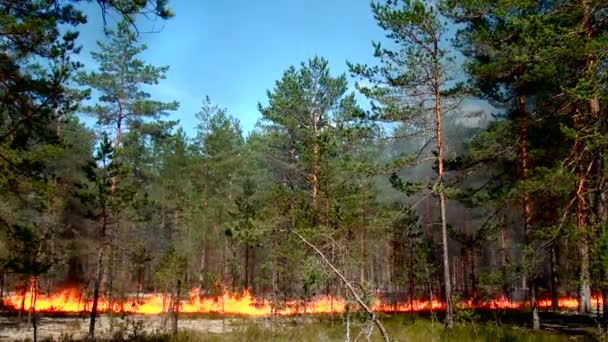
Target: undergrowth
(317, 329)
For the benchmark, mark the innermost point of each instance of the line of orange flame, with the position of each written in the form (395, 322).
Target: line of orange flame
(71, 301)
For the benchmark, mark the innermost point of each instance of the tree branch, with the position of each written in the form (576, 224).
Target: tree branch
(374, 319)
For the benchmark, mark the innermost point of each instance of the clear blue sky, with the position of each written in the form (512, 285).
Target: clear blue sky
(234, 51)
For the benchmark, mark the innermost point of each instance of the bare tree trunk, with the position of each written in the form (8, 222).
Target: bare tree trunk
(440, 184)
(315, 173)
(201, 276)
(118, 133)
(175, 310)
(22, 306)
(32, 302)
(554, 278)
(111, 275)
(527, 205)
(581, 217)
(363, 252)
(316, 156)
(535, 317)
(581, 220)
(99, 274)
(410, 276)
(246, 267)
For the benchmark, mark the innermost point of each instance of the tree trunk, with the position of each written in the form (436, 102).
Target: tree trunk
(99, 274)
(581, 217)
(201, 276)
(33, 297)
(112, 274)
(440, 185)
(246, 268)
(363, 252)
(554, 278)
(581, 222)
(315, 173)
(316, 151)
(527, 205)
(175, 309)
(534, 307)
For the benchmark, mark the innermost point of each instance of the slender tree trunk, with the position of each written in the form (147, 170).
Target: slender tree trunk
(554, 278)
(111, 275)
(99, 274)
(316, 159)
(246, 267)
(22, 306)
(363, 252)
(534, 303)
(474, 278)
(117, 137)
(33, 316)
(410, 276)
(581, 217)
(175, 309)
(527, 202)
(201, 276)
(581, 223)
(440, 185)
(33, 298)
(315, 173)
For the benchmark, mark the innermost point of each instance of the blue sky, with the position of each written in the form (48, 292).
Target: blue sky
(234, 51)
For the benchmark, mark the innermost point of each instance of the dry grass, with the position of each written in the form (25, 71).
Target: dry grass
(292, 329)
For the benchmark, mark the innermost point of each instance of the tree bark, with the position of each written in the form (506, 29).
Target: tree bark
(175, 310)
(363, 250)
(112, 274)
(594, 108)
(581, 223)
(527, 205)
(440, 184)
(118, 133)
(246, 267)
(99, 274)
(315, 172)
(554, 278)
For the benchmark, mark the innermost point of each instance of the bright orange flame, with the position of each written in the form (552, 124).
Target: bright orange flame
(71, 301)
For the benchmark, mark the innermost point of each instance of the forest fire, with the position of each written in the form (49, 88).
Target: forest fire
(71, 301)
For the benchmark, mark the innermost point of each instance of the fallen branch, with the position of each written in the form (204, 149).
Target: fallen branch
(373, 316)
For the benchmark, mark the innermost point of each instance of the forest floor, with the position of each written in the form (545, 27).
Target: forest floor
(478, 326)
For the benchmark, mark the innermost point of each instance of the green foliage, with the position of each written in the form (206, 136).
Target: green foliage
(101, 196)
(119, 81)
(170, 270)
(314, 276)
(26, 252)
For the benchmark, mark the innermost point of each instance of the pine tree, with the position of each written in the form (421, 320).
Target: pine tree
(104, 202)
(122, 102)
(410, 84)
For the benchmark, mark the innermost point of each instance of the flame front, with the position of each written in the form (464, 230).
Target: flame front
(72, 301)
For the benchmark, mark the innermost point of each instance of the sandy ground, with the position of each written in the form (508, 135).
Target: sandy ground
(76, 327)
